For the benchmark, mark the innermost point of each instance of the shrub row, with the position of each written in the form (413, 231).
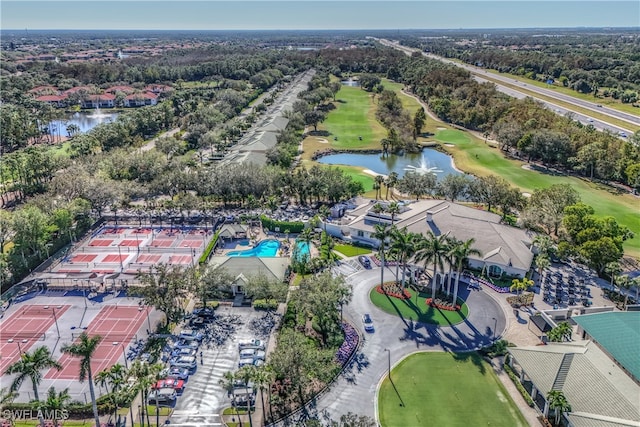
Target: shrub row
(210, 247)
(76, 410)
(265, 304)
(271, 225)
(519, 386)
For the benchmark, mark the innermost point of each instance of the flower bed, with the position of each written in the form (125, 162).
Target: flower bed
(499, 289)
(393, 290)
(442, 305)
(349, 344)
(377, 261)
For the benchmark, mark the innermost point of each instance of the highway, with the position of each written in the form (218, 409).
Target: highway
(505, 85)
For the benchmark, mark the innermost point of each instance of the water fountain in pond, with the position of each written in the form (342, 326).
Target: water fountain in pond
(423, 168)
(97, 114)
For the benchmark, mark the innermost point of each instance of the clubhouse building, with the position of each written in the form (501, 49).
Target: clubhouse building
(505, 250)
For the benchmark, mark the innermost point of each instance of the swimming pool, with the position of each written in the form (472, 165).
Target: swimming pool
(266, 248)
(303, 249)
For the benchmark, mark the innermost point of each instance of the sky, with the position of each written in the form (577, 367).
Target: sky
(314, 14)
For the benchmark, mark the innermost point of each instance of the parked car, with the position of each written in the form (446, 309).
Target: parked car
(189, 362)
(178, 373)
(193, 344)
(184, 351)
(366, 263)
(177, 385)
(255, 344)
(190, 335)
(245, 361)
(162, 396)
(367, 322)
(247, 352)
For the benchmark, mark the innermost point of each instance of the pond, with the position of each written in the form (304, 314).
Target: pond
(354, 83)
(428, 161)
(84, 121)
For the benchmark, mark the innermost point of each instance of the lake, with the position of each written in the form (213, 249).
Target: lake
(428, 160)
(84, 121)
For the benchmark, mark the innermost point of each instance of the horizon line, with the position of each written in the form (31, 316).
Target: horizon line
(325, 29)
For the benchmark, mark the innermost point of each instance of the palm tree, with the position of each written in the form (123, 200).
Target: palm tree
(562, 332)
(403, 244)
(228, 383)
(114, 377)
(393, 209)
(391, 182)
(613, 269)
(263, 378)
(146, 375)
(57, 402)
(382, 233)
(542, 262)
(31, 365)
(84, 349)
(247, 374)
(459, 253)
(558, 402)
(379, 180)
(431, 250)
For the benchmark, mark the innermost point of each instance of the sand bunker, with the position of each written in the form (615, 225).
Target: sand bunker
(527, 195)
(439, 128)
(322, 140)
(449, 145)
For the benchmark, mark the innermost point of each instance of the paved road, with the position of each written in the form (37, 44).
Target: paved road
(482, 75)
(355, 389)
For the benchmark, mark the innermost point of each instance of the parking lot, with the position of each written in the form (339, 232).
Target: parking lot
(204, 398)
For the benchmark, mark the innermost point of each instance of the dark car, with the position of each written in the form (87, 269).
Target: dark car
(366, 263)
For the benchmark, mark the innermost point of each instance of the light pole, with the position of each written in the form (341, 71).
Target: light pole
(388, 363)
(495, 325)
(55, 318)
(124, 353)
(10, 340)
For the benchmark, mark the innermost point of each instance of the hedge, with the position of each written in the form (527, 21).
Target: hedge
(271, 225)
(210, 247)
(265, 304)
(76, 410)
(519, 386)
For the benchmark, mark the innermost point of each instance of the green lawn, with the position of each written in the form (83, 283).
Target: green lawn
(445, 389)
(473, 156)
(420, 311)
(350, 250)
(356, 173)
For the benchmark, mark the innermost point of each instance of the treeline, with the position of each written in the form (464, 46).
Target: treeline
(523, 127)
(606, 65)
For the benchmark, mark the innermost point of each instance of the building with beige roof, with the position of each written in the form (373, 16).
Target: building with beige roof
(505, 249)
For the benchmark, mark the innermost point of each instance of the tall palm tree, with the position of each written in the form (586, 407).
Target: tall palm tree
(379, 180)
(113, 379)
(403, 244)
(391, 182)
(558, 402)
(382, 233)
(542, 262)
(84, 349)
(31, 365)
(263, 377)
(146, 375)
(431, 250)
(228, 383)
(393, 209)
(459, 253)
(247, 374)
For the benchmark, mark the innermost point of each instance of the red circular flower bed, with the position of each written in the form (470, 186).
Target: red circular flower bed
(396, 294)
(430, 302)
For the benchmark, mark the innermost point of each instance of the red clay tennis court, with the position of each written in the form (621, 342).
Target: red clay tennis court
(162, 243)
(83, 258)
(101, 242)
(114, 258)
(26, 326)
(146, 258)
(130, 242)
(117, 325)
(191, 243)
(180, 259)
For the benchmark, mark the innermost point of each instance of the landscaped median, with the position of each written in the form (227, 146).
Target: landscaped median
(445, 389)
(408, 304)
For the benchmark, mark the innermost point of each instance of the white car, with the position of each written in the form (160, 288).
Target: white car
(162, 396)
(189, 362)
(247, 352)
(367, 322)
(255, 344)
(190, 335)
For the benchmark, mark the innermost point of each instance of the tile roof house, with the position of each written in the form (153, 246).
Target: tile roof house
(140, 99)
(105, 100)
(505, 249)
(57, 101)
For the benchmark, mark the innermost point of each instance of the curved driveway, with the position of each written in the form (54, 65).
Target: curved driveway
(355, 389)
